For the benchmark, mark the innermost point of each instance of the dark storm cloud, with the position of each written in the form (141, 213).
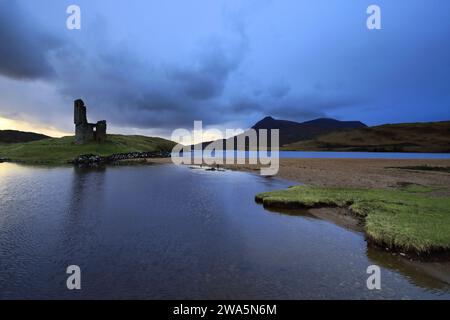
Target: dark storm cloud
(24, 49)
(221, 70)
(207, 78)
(135, 93)
(244, 105)
(308, 107)
(132, 92)
(297, 108)
(123, 88)
(279, 91)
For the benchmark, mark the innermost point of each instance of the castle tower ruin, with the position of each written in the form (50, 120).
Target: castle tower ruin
(84, 131)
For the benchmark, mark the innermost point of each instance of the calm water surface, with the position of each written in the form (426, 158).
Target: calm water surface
(165, 232)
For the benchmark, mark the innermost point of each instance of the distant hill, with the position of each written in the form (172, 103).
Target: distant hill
(14, 136)
(403, 137)
(62, 150)
(291, 131)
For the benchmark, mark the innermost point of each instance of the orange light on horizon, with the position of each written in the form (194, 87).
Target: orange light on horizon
(9, 124)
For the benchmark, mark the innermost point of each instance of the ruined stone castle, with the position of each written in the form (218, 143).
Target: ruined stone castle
(84, 131)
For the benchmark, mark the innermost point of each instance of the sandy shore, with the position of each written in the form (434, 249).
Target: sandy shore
(360, 173)
(365, 173)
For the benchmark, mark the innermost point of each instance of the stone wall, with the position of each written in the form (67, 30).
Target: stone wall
(100, 131)
(79, 112)
(84, 131)
(93, 160)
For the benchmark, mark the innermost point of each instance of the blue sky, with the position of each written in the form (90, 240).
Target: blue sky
(152, 66)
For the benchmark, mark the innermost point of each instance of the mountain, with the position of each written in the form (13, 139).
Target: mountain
(402, 137)
(291, 131)
(14, 136)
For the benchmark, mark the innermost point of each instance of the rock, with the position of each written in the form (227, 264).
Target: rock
(138, 155)
(94, 160)
(87, 159)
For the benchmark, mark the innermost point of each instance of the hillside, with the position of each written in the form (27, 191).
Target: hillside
(14, 136)
(62, 150)
(291, 131)
(404, 137)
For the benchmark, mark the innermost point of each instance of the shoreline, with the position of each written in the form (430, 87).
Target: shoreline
(408, 221)
(345, 218)
(343, 172)
(328, 173)
(365, 174)
(383, 174)
(362, 174)
(357, 173)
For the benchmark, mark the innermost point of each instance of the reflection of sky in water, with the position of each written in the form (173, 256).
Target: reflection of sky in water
(171, 232)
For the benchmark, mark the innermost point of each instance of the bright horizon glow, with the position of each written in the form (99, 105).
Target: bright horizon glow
(9, 124)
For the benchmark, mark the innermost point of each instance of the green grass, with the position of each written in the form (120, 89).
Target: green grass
(62, 150)
(403, 137)
(408, 219)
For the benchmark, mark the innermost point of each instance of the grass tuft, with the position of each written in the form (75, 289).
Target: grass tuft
(406, 219)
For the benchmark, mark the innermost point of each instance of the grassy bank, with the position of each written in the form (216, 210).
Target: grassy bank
(408, 219)
(404, 137)
(62, 150)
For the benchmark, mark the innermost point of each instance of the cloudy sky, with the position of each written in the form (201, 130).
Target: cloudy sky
(152, 66)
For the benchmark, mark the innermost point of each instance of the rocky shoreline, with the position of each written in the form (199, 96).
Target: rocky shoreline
(92, 160)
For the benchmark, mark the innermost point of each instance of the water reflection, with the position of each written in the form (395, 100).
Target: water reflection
(434, 276)
(86, 183)
(167, 232)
